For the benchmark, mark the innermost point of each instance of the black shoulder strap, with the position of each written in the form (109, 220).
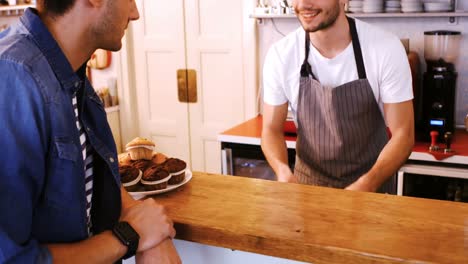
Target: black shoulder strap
(357, 49)
(306, 69)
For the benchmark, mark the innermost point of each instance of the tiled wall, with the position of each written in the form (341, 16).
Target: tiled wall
(412, 28)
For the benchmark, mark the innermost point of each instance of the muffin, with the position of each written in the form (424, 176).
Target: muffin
(130, 177)
(140, 148)
(176, 168)
(155, 178)
(158, 158)
(142, 164)
(124, 159)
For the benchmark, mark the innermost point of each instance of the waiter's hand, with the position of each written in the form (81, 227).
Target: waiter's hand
(363, 184)
(287, 176)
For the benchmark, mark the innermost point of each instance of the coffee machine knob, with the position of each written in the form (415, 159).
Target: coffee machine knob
(434, 146)
(437, 106)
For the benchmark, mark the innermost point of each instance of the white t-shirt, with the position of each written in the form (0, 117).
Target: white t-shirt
(384, 56)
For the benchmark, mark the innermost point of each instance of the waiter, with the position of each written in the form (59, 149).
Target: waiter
(345, 82)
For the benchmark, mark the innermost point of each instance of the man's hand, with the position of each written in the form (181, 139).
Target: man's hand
(363, 184)
(164, 253)
(287, 178)
(150, 221)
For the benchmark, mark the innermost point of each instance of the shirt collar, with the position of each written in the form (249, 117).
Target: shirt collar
(51, 50)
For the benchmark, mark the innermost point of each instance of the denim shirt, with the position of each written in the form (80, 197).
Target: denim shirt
(42, 188)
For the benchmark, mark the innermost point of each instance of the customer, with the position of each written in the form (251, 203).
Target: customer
(60, 194)
(345, 82)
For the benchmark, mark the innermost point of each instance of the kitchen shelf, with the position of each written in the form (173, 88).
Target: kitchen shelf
(15, 7)
(377, 15)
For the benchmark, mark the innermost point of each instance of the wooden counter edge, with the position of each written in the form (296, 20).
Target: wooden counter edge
(279, 248)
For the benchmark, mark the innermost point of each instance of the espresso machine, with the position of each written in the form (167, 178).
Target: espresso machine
(437, 116)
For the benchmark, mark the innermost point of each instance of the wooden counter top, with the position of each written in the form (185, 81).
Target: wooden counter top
(316, 224)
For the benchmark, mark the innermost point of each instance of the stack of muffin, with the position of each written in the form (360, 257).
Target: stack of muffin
(141, 169)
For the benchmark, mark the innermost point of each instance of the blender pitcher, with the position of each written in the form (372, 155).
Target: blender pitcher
(441, 47)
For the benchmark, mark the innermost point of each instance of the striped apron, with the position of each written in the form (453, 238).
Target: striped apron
(341, 130)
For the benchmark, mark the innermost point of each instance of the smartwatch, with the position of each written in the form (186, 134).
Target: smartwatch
(128, 236)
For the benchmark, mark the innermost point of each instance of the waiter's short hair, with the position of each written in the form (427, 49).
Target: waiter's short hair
(55, 7)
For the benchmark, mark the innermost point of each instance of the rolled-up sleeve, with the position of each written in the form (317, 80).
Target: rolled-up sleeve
(23, 140)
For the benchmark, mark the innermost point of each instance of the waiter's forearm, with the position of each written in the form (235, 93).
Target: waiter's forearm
(275, 150)
(391, 158)
(273, 143)
(400, 121)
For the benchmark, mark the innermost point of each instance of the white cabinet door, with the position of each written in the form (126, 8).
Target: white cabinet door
(158, 50)
(208, 36)
(214, 50)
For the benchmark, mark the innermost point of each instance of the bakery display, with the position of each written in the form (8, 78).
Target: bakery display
(144, 173)
(140, 148)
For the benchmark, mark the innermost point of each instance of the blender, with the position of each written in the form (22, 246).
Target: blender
(439, 86)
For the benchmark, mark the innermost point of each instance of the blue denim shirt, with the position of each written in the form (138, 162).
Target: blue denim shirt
(42, 189)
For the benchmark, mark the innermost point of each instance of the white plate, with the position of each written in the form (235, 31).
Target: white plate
(170, 187)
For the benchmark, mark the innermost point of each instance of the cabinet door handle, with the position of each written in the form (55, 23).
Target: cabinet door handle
(187, 86)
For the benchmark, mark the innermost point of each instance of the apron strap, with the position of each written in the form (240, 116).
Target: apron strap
(357, 49)
(306, 69)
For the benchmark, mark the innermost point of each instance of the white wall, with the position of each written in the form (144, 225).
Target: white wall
(412, 28)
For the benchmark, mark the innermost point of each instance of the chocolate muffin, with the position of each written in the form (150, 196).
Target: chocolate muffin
(176, 168)
(142, 164)
(155, 178)
(130, 177)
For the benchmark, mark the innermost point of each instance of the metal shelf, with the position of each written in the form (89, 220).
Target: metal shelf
(13, 10)
(427, 14)
(15, 7)
(377, 15)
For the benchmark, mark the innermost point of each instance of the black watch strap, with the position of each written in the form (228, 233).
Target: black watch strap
(128, 236)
